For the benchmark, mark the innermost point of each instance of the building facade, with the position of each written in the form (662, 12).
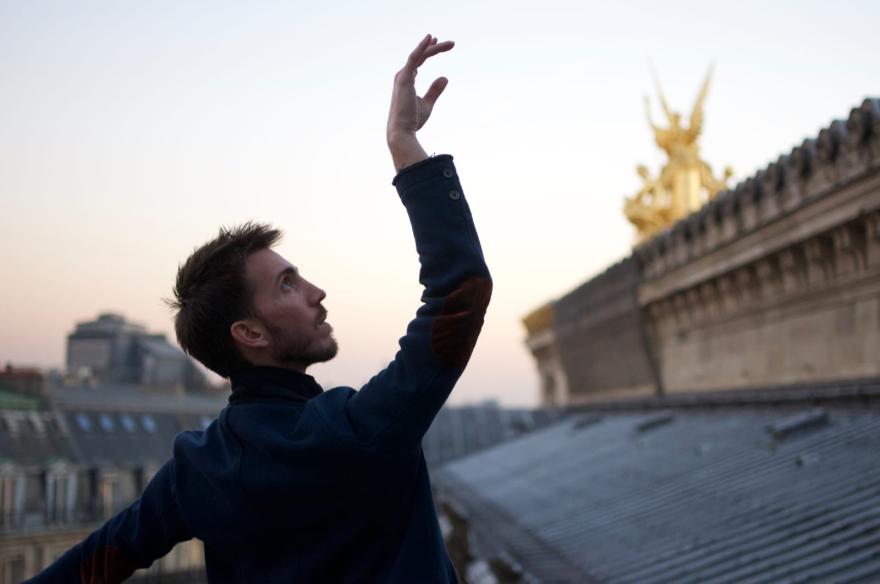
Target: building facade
(774, 282)
(68, 466)
(111, 349)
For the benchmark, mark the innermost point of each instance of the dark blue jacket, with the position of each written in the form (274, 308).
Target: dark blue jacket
(295, 484)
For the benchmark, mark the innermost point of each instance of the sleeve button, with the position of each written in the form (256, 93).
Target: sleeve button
(454, 195)
(447, 172)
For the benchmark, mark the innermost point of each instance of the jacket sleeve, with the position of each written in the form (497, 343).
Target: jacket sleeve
(144, 531)
(396, 406)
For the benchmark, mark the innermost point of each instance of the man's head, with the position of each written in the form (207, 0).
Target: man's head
(239, 303)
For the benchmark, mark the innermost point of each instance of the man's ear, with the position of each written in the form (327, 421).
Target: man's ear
(249, 333)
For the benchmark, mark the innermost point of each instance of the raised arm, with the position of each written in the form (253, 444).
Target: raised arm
(396, 407)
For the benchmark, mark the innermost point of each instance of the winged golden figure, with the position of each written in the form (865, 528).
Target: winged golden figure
(686, 181)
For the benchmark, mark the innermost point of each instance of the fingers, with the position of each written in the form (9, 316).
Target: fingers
(420, 48)
(435, 90)
(435, 48)
(427, 48)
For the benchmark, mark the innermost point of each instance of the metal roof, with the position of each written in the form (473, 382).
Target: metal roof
(130, 397)
(459, 431)
(89, 438)
(161, 348)
(712, 496)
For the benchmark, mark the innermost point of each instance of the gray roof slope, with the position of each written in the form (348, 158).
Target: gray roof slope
(133, 398)
(161, 348)
(93, 439)
(459, 431)
(695, 496)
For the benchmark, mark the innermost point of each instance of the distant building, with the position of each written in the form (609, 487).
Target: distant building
(772, 283)
(70, 463)
(27, 380)
(114, 350)
(722, 392)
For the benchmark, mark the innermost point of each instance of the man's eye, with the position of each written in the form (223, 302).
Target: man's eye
(285, 284)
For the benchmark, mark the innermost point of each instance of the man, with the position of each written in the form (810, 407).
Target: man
(292, 483)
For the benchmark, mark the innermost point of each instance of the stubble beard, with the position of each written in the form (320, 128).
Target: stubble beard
(293, 347)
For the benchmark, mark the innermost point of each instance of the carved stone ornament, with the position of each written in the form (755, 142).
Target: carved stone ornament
(746, 283)
(827, 150)
(849, 249)
(710, 298)
(750, 201)
(769, 277)
(713, 222)
(855, 154)
(682, 314)
(696, 305)
(806, 161)
(872, 240)
(728, 293)
(771, 184)
(820, 268)
(730, 225)
(871, 115)
(791, 265)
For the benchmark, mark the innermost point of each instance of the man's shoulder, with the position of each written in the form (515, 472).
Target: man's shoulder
(320, 418)
(333, 397)
(330, 410)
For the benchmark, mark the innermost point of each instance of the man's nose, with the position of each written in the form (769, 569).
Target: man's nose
(319, 294)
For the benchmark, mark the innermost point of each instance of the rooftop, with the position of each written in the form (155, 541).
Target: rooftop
(748, 494)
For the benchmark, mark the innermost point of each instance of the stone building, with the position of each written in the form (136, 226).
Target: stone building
(774, 282)
(69, 464)
(29, 381)
(114, 350)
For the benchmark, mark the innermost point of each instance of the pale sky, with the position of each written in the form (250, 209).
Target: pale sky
(129, 131)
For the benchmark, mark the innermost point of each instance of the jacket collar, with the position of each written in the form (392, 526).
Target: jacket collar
(272, 384)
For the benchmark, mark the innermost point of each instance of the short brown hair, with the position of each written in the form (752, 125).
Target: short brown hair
(212, 292)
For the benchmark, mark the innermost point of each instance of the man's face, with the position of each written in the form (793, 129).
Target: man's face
(289, 307)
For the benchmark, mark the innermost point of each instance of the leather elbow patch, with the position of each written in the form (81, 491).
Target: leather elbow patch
(455, 331)
(108, 564)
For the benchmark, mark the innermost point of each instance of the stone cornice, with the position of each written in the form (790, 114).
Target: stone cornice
(731, 310)
(539, 319)
(855, 392)
(841, 154)
(796, 247)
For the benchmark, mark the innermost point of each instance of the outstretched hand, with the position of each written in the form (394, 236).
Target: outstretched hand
(409, 112)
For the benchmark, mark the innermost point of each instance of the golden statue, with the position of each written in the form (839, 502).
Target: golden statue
(685, 183)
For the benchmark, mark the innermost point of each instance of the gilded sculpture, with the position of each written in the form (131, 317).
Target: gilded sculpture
(685, 182)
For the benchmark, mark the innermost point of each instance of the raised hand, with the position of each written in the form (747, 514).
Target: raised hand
(409, 112)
